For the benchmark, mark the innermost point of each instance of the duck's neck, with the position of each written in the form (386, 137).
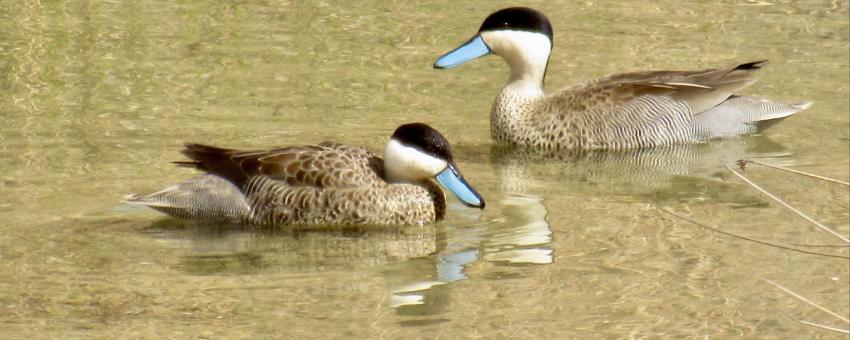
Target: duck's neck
(527, 55)
(527, 73)
(511, 119)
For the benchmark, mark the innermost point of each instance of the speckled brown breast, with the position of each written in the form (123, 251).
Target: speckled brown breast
(275, 203)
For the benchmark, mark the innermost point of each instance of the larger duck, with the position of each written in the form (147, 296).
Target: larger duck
(319, 185)
(621, 111)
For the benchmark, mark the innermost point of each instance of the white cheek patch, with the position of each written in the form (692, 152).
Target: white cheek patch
(509, 42)
(528, 51)
(404, 163)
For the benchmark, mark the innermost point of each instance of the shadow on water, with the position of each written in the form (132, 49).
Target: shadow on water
(214, 249)
(688, 172)
(417, 263)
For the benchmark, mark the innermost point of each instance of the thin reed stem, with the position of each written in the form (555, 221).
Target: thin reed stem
(743, 164)
(788, 206)
(750, 239)
(821, 245)
(810, 303)
(830, 328)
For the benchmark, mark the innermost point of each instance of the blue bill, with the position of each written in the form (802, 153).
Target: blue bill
(454, 182)
(472, 49)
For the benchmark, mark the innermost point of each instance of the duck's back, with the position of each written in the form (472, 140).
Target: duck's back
(329, 184)
(653, 108)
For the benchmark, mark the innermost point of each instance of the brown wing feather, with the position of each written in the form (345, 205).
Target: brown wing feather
(214, 160)
(701, 90)
(324, 165)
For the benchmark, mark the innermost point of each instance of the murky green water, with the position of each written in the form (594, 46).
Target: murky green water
(96, 98)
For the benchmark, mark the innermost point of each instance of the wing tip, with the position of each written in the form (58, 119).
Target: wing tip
(132, 198)
(753, 65)
(800, 106)
(140, 199)
(188, 164)
(190, 148)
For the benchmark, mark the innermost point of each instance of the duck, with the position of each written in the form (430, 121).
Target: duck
(621, 111)
(326, 184)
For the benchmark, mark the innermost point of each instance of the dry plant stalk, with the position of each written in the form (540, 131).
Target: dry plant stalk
(743, 164)
(788, 206)
(749, 239)
(810, 303)
(829, 328)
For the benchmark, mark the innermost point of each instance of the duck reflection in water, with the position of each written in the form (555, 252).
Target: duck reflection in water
(417, 263)
(672, 172)
(520, 236)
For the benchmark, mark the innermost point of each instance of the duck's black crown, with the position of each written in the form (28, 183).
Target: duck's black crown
(518, 19)
(424, 138)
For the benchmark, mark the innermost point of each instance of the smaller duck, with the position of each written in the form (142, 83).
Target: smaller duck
(324, 184)
(622, 111)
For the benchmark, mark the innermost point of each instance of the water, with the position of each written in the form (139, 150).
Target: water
(97, 97)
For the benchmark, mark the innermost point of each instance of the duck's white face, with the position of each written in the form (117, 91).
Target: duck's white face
(526, 52)
(408, 164)
(417, 152)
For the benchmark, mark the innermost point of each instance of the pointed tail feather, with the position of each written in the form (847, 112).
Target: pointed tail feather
(741, 115)
(206, 197)
(767, 121)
